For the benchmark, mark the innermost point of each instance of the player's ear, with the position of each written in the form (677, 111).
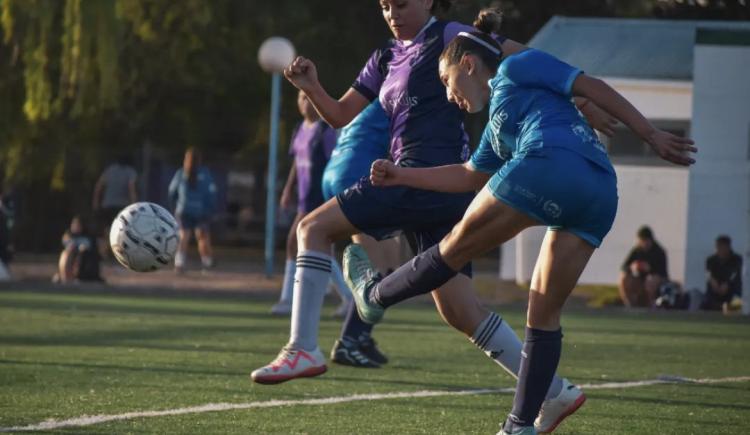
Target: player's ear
(468, 63)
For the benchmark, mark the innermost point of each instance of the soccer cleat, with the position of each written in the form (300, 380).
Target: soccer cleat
(282, 308)
(291, 364)
(556, 409)
(361, 278)
(526, 430)
(346, 352)
(369, 347)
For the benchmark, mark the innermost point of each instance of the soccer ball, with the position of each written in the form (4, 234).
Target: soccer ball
(144, 237)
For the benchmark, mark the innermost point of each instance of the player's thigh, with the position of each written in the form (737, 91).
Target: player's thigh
(487, 223)
(562, 259)
(458, 304)
(324, 225)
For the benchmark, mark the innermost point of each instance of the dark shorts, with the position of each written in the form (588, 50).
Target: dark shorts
(105, 216)
(191, 222)
(424, 217)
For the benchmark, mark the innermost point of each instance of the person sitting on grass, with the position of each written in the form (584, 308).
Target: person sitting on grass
(79, 259)
(724, 271)
(643, 271)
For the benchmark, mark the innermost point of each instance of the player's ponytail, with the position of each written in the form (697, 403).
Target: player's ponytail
(489, 20)
(480, 44)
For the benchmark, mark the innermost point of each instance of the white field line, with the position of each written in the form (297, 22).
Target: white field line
(88, 420)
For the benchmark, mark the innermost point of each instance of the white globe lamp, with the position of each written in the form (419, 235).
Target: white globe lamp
(275, 54)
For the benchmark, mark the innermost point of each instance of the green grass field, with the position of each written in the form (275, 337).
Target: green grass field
(64, 356)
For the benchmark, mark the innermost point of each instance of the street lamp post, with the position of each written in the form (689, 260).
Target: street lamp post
(274, 55)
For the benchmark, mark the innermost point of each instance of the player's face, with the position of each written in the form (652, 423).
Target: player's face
(76, 226)
(464, 85)
(306, 109)
(406, 18)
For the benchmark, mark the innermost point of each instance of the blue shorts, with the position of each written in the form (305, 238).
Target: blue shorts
(192, 222)
(345, 169)
(423, 216)
(562, 189)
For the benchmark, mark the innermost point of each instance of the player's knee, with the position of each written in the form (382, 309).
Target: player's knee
(308, 227)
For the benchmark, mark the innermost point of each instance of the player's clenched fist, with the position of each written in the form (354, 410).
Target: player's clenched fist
(384, 173)
(302, 73)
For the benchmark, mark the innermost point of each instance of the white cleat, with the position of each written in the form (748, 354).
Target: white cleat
(556, 409)
(291, 364)
(282, 308)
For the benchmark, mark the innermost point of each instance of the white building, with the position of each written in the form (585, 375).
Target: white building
(682, 83)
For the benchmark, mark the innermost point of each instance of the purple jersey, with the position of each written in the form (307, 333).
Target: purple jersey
(311, 147)
(426, 129)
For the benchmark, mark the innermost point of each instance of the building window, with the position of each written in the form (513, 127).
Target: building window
(626, 148)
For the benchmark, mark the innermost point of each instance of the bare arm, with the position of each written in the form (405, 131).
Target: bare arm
(337, 113)
(286, 194)
(668, 146)
(449, 178)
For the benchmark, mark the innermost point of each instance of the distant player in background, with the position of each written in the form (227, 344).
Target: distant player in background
(643, 271)
(192, 194)
(312, 144)
(360, 143)
(115, 190)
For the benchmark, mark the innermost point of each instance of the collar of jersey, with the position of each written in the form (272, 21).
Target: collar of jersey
(411, 42)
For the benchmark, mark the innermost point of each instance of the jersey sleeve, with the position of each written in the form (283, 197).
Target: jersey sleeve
(371, 78)
(537, 69)
(453, 28)
(484, 158)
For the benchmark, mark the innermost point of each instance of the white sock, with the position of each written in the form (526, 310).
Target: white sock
(207, 261)
(179, 259)
(337, 276)
(288, 286)
(310, 281)
(499, 342)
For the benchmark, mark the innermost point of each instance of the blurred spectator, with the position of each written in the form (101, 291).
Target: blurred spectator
(7, 216)
(114, 190)
(643, 271)
(724, 271)
(79, 259)
(192, 193)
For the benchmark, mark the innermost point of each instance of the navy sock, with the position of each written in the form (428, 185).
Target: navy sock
(539, 359)
(354, 328)
(423, 274)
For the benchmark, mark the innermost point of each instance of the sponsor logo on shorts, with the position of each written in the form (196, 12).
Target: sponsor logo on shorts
(552, 209)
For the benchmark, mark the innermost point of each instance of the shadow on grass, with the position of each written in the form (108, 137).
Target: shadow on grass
(148, 369)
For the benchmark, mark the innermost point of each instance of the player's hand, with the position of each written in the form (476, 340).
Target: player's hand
(672, 148)
(598, 119)
(302, 73)
(384, 173)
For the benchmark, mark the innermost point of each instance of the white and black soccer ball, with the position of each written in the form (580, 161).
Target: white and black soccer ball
(144, 237)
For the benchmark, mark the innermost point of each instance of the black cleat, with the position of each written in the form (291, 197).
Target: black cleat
(348, 353)
(369, 348)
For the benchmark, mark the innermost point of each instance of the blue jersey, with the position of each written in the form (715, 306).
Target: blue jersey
(360, 143)
(531, 109)
(426, 129)
(197, 201)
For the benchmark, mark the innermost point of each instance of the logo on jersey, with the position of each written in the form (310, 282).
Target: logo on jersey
(402, 100)
(496, 124)
(586, 134)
